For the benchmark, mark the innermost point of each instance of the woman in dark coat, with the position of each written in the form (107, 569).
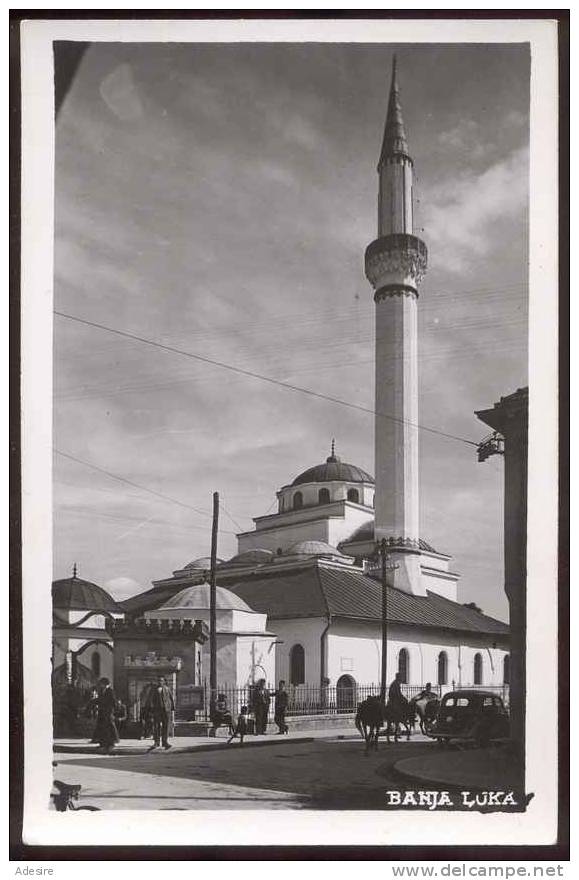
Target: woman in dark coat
(106, 729)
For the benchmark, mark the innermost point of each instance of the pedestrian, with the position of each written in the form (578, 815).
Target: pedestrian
(261, 700)
(280, 707)
(161, 704)
(106, 732)
(241, 727)
(221, 715)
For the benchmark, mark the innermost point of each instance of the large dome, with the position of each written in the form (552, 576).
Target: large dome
(333, 469)
(78, 595)
(197, 598)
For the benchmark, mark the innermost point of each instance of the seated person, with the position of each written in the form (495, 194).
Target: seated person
(221, 715)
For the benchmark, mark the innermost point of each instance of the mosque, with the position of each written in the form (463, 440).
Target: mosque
(302, 598)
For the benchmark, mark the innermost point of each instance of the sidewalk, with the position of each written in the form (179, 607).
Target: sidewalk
(492, 769)
(201, 743)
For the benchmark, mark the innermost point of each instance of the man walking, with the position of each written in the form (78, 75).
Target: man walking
(280, 707)
(161, 704)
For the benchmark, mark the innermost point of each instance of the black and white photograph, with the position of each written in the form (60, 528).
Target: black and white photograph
(282, 367)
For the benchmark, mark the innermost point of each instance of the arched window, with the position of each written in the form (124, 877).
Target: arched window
(95, 664)
(346, 693)
(478, 669)
(442, 668)
(297, 665)
(403, 665)
(507, 669)
(324, 496)
(354, 495)
(298, 500)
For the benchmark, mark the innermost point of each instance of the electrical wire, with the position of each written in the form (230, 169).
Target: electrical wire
(253, 375)
(137, 485)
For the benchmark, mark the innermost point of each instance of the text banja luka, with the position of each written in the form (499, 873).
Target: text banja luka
(462, 800)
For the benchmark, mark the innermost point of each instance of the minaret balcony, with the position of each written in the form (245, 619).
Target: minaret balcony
(396, 264)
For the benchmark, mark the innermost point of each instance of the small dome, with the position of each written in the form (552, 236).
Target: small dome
(197, 598)
(251, 557)
(311, 548)
(76, 594)
(201, 564)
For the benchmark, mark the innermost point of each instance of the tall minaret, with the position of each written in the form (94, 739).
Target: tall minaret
(395, 264)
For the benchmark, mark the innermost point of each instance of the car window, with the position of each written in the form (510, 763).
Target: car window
(462, 701)
(448, 701)
(488, 701)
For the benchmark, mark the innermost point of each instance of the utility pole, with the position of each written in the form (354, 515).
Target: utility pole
(386, 567)
(213, 609)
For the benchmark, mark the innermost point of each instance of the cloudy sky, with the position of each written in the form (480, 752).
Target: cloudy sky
(219, 198)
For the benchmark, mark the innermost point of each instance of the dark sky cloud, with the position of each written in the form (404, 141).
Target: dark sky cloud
(219, 199)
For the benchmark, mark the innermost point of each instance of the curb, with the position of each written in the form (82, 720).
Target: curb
(204, 747)
(398, 770)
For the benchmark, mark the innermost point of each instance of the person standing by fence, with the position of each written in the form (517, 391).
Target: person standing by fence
(261, 700)
(280, 707)
(161, 704)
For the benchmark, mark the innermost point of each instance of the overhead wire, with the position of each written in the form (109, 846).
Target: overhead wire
(254, 375)
(113, 476)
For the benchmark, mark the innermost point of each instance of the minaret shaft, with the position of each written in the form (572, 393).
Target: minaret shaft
(396, 434)
(395, 198)
(395, 264)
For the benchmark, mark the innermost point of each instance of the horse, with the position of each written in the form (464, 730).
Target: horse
(369, 718)
(427, 710)
(396, 714)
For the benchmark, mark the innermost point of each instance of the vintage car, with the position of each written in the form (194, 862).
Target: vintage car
(474, 716)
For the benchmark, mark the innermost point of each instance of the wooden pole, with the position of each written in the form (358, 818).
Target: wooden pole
(384, 670)
(213, 609)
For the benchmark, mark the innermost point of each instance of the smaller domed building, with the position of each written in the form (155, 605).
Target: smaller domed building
(245, 648)
(81, 646)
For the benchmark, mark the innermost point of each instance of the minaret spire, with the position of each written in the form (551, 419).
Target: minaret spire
(395, 263)
(394, 140)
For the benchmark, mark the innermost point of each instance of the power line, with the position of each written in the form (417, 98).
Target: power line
(136, 485)
(253, 375)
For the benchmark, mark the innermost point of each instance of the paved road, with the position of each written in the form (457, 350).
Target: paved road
(327, 773)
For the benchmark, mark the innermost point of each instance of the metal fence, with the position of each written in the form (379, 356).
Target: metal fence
(303, 700)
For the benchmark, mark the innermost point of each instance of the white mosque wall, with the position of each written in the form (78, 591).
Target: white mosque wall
(304, 631)
(255, 659)
(310, 494)
(283, 537)
(441, 582)
(354, 648)
(329, 529)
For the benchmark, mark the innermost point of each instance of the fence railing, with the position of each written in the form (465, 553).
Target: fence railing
(303, 700)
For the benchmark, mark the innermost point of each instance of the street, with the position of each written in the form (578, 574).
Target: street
(327, 772)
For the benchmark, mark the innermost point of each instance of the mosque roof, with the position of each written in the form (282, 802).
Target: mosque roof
(76, 594)
(203, 563)
(333, 468)
(321, 590)
(197, 598)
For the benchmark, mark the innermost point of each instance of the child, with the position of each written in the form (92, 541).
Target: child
(241, 727)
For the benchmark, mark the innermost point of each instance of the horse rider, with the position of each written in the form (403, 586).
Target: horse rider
(426, 694)
(396, 698)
